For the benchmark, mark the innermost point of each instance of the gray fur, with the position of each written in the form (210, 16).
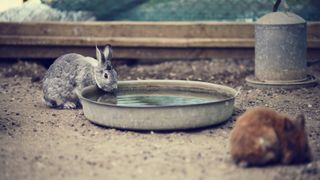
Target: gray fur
(70, 73)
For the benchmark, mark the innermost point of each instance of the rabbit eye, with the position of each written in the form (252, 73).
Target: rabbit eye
(105, 75)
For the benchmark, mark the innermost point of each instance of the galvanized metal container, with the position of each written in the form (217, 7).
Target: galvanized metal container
(160, 117)
(280, 49)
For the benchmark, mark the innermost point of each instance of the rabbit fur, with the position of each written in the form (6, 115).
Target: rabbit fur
(70, 73)
(262, 136)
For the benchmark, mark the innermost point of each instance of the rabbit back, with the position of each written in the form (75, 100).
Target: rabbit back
(67, 75)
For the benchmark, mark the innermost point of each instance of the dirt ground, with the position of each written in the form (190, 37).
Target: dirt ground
(37, 142)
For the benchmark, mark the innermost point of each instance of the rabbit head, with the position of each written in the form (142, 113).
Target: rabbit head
(105, 76)
(295, 144)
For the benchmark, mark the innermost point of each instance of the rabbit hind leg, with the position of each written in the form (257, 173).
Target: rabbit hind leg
(52, 103)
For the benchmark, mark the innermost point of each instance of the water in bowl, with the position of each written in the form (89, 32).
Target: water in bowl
(157, 98)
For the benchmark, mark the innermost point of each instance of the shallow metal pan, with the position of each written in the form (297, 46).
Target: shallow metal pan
(160, 117)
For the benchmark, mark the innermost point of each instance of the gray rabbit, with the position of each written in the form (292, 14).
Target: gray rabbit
(72, 72)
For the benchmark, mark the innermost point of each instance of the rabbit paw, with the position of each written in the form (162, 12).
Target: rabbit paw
(243, 164)
(69, 105)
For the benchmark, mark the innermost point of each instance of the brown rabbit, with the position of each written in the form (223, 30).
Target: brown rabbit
(262, 136)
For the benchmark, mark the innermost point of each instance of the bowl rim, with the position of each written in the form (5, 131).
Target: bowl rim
(183, 83)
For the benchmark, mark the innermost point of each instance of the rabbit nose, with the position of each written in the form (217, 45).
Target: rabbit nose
(105, 75)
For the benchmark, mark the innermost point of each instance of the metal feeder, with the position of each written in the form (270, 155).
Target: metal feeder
(281, 52)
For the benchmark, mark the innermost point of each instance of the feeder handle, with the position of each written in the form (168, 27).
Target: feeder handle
(277, 4)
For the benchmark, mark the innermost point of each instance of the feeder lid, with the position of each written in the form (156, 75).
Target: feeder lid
(280, 18)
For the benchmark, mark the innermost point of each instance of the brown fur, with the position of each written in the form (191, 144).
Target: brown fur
(262, 136)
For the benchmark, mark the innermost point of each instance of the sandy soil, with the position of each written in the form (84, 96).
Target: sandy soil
(41, 143)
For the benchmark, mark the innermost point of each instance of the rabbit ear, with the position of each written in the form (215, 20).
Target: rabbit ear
(98, 54)
(300, 121)
(288, 125)
(107, 52)
(100, 57)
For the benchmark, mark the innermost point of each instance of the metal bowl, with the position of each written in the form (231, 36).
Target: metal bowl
(162, 117)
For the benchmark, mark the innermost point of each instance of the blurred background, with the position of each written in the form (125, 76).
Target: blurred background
(149, 10)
